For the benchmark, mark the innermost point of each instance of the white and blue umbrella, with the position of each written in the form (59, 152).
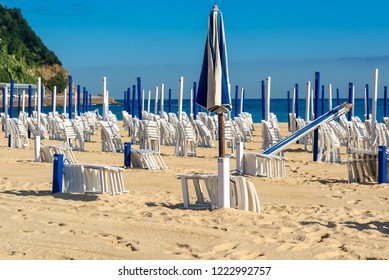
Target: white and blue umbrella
(214, 85)
(214, 93)
(213, 90)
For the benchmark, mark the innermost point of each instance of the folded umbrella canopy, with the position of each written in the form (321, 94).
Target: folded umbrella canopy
(214, 85)
(214, 94)
(213, 90)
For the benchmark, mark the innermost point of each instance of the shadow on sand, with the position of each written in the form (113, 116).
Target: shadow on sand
(382, 227)
(64, 196)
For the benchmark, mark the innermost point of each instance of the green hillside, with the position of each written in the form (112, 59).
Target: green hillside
(23, 55)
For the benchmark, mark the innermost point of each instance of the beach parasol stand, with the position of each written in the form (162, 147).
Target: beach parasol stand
(214, 94)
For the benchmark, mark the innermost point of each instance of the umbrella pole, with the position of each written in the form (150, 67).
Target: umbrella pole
(222, 150)
(223, 169)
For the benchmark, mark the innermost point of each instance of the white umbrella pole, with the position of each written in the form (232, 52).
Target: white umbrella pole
(148, 102)
(223, 167)
(329, 97)
(293, 110)
(23, 101)
(191, 102)
(161, 102)
(267, 112)
(180, 93)
(374, 107)
(6, 111)
(143, 100)
(54, 100)
(64, 101)
(156, 101)
(307, 102)
(241, 101)
(104, 98)
(365, 103)
(312, 107)
(37, 142)
(107, 103)
(35, 100)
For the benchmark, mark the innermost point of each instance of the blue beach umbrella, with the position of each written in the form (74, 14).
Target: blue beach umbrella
(214, 85)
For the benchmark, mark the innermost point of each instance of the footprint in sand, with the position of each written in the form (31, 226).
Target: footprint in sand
(185, 249)
(337, 196)
(16, 253)
(119, 240)
(32, 231)
(354, 202)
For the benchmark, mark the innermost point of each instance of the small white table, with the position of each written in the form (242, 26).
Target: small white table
(210, 181)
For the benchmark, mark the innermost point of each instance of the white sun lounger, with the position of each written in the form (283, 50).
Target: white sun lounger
(243, 193)
(147, 159)
(93, 178)
(362, 165)
(49, 150)
(257, 164)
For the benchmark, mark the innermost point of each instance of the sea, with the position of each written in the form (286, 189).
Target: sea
(253, 106)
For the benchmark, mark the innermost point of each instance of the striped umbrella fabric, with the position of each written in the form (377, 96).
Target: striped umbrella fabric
(214, 85)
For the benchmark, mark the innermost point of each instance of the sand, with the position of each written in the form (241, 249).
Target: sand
(313, 213)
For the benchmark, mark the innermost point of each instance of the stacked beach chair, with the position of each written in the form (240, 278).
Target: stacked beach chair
(110, 137)
(257, 164)
(92, 178)
(243, 194)
(17, 134)
(186, 139)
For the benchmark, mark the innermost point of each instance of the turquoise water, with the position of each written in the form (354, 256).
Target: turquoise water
(253, 106)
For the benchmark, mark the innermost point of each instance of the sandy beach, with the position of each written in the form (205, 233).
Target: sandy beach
(313, 213)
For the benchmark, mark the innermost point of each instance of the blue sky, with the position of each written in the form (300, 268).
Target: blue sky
(163, 40)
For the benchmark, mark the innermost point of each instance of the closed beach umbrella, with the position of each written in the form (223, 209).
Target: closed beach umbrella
(214, 92)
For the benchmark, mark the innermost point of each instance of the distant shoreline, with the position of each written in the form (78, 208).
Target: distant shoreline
(96, 100)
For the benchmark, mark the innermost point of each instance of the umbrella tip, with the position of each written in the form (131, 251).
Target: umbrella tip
(215, 7)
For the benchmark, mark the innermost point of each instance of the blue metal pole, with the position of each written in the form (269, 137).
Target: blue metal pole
(129, 100)
(29, 111)
(29, 101)
(19, 98)
(297, 100)
(194, 100)
(133, 100)
(140, 109)
(11, 99)
(322, 100)
(350, 99)
(70, 111)
(382, 164)
(57, 173)
(385, 99)
(236, 100)
(337, 96)
(78, 99)
(170, 100)
(127, 154)
(85, 100)
(316, 132)
(264, 97)
(367, 102)
(42, 98)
